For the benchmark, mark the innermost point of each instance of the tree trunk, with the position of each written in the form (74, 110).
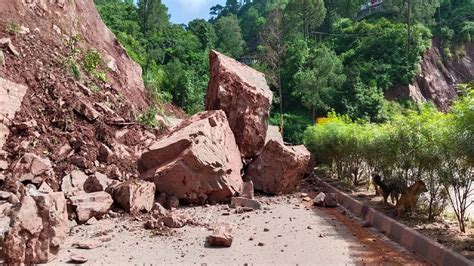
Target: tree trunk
(281, 104)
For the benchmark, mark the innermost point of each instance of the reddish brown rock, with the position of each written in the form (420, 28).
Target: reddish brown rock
(90, 205)
(84, 108)
(279, 168)
(222, 236)
(32, 168)
(247, 190)
(135, 195)
(73, 183)
(175, 221)
(99, 182)
(197, 161)
(39, 228)
(243, 94)
(245, 202)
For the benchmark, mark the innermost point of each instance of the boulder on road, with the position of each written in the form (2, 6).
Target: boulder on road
(135, 195)
(197, 161)
(319, 199)
(245, 202)
(39, 228)
(90, 205)
(245, 97)
(279, 168)
(222, 236)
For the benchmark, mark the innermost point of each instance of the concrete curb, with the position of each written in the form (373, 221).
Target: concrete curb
(407, 237)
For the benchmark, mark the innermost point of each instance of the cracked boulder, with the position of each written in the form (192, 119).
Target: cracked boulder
(90, 205)
(279, 168)
(245, 97)
(39, 227)
(198, 161)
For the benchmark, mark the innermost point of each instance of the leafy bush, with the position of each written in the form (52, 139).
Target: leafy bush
(294, 126)
(423, 144)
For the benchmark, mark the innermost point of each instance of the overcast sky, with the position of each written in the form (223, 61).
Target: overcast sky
(183, 11)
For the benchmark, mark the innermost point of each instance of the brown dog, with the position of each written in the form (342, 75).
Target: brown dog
(409, 198)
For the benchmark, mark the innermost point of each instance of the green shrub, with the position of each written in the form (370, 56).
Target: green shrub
(12, 27)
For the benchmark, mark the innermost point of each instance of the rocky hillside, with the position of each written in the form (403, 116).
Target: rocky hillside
(438, 78)
(75, 91)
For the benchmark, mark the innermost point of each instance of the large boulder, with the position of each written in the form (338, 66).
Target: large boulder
(279, 168)
(135, 195)
(243, 94)
(90, 205)
(39, 227)
(198, 161)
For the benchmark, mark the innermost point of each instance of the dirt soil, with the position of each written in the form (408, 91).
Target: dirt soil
(290, 232)
(444, 231)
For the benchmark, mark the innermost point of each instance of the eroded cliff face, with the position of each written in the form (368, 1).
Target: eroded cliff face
(51, 25)
(438, 78)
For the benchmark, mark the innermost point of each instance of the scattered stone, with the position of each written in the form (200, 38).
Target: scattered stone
(31, 167)
(319, 199)
(158, 209)
(24, 30)
(153, 224)
(3, 165)
(304, 195)
(88, 244)
(266, 230)
(105, 153)
(90, 205)
(175, 221)
(247, 190)
(45, 188)
(307, 199)
(73, 183)
(245, 202)
(198, 161)
(99, 182)
(26, 125)
(85, 108)
(39, 227)
(172, 202)
(222, 235)
(91, 221)
(2, 59)
(309, 227)
(330, 200)
(74, 258)
(243, 94)
(261, 244)
(135, 195)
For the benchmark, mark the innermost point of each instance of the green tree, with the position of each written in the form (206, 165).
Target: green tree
(319, 79)
(205, 33)
(229, 36)
(303, 16)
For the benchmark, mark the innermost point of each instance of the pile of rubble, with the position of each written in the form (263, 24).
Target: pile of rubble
(200, 161)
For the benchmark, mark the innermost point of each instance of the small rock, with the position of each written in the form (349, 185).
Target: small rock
(91, 205)
(85, 108)
(2, 59)
(159, 209)
(303, 195)
(245, 202)
(222, 236)
(330, 200)
(309, 227)
(266, 229)
(74, 258)
(319, 199)
(247, 190)
(261, 244)
(91, 221)
(135, 195)
(175, 221)
(307, 199)
(88, 244)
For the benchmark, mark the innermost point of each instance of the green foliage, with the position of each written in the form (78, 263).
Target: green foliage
(229, 36)
(424, 144)
(12, 27)
(148, 119)
(304, 16)
(92, 62)
(319, 78)
(294, 126)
